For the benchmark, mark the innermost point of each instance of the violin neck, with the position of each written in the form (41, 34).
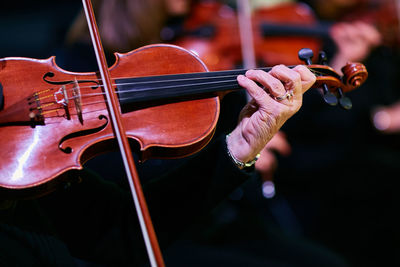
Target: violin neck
(177, 86)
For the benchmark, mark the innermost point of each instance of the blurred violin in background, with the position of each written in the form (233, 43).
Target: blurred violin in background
(212, 32)
(382, 14)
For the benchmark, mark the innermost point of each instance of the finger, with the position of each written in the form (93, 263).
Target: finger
(368, 33)
(343, 32)
(306, 76)
(256, 92)
(289, 77)
(270, 83)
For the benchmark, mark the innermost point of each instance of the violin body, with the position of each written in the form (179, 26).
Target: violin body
(274, 48)
(221, 48)
(54, 120)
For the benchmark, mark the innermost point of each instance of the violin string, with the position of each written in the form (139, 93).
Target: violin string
(177, 80)
(214, 83)
(55, 109)
(125, 98)
(229, 73)
(162, 88)
(176, 86)
(158, 81)
(206, 76)
(172, 86)
(234, 72)
(143, 89)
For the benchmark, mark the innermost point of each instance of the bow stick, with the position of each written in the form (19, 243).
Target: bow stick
(150, 239)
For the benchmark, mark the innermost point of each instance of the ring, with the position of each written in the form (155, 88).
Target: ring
(288, 95)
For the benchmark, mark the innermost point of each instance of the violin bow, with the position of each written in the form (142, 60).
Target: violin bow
(149, 236)
(246, 34)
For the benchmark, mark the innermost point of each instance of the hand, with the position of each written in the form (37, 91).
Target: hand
(267, 163)
(387, 119)
(264, 115)
(354, 42)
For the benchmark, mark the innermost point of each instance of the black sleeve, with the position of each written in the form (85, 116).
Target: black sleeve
(193, 190)
(98, 222)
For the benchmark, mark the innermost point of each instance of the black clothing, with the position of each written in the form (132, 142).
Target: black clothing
(96, 219)
(339, 178)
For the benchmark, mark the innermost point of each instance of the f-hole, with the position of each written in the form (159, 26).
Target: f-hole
(68, 150)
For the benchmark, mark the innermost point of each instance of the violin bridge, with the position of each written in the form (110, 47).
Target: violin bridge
(76, 92)
(61, 98)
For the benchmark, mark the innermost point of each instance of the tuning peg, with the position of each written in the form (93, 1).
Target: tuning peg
(344, 101)
(306, 54)
(322, 58)
(328, 97)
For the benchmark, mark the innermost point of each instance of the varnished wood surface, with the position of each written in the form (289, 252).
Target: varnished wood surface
(33, 156)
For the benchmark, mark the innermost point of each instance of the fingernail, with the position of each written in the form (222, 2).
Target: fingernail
(249, 72)
(240, 78)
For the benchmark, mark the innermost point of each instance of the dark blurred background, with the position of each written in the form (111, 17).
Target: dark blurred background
(349, 207)
(35, 28)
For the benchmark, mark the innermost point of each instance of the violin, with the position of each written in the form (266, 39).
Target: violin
(54, 120)
(212, 32)
(381, 14)
(272, 44)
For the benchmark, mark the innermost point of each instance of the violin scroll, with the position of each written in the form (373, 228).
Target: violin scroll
(332, 84)
(354, 75)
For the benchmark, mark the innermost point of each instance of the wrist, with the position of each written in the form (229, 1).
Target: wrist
(239, 163)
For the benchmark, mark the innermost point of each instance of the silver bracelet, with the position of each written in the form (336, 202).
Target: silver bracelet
(240, 164)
